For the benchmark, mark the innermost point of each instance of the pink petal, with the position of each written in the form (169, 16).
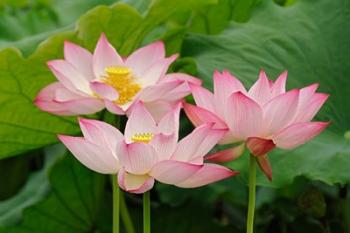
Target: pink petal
(203, 98)
(164, 91)
(309, 103)
(169, 124)
(164, 145)
(308, 111)
(83, 106)
(260, 91)
(104, 91)
(198, 143)
(243, 116)
(156, 71)
(227, 155)
(173, 172)
(80, 58)
(209, 173)
(158, 109)
(140, 121)
(265, 166)
(101, 133)
(137, 158)
(199, 116)
(105, 56)
(229, 138)
(71, 78)
(280, 111)
(143, 58)
(92, 156)
(134, 183)
(224, 85)
(279, 87)
(298, 134)
(182, 77)
(114, 108)
(56, 99)
(259, 146)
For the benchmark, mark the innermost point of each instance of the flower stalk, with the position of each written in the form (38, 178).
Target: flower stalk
(116, 204)
(147, 212)
(252, 190)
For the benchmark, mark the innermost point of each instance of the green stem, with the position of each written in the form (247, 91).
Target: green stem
(116, 204)
(251, 203)
(129, 227)
(146, 212)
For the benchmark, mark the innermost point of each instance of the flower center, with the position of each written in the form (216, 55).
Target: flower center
(142, 137)
(121, 79)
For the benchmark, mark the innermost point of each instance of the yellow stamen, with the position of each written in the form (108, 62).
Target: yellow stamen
(142, 137)
(121, 79)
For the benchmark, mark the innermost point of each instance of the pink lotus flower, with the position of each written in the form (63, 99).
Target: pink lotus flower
(87, 82)
(264, 117)
(149, 151)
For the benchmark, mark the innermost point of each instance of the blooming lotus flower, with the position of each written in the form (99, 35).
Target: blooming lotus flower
(87, 82)
(149, 151)
(265, 117)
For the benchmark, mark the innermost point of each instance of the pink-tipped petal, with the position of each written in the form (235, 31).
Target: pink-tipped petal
(92, 156)
(113, 107)
(298, 134)
(224, 85)
(260, 91)
(198, 143)
(104, 91)
(84, 106)
(173, 172)
(165, 91)
(203, 98)
(143, 58)
(70, 77)
(156, 71)
(182, 77)
(259, 146)
(169, 124)
(265, 166)
(101, 133)
(140, 121)
(307, 110)
(243, 116)
(209, 173)
(80, 58)
(227, 155)
(164, 145)
(137, 158)
(105, 56)
(279, 86)
(199, 116)
(56, 99)
(158, 109)
(135, 183)
(280, 111)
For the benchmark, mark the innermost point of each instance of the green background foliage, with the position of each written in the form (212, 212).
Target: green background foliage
(43, 189)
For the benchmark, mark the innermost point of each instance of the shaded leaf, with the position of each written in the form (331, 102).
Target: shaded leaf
(72, 206)
(306, 41)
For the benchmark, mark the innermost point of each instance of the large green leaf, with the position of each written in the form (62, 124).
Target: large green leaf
(25, 24)
(72, 206)
(24, 127)
(34, 190)
(309, 41)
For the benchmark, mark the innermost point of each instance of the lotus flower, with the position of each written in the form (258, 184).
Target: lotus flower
(149, 151)
(87, 82)
(264, 117)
